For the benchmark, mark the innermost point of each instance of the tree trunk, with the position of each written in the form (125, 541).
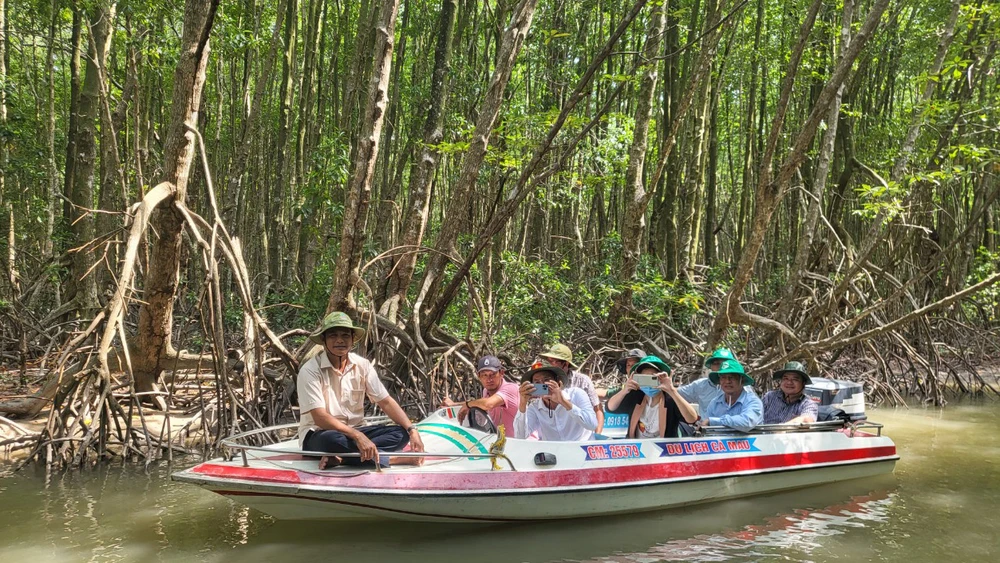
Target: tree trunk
(153, 341)
(769, 191)
(83, 281)
(50, 134)
(815, 202)
(510, 47)
(3, 102)
(352, 240)
(423, 166)
(74, 101)
(285, 165)
(636, 197)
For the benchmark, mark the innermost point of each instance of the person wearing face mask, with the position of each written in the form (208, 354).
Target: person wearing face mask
(654, 412)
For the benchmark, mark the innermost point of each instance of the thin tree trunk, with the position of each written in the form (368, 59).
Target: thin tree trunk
(275, 224)
(815, 202)
(359, 188)
(153, 339)
(636, 197)
(74, 101)
(83, 282)
(769, 191)
(3, 104)
(50, 132)
(510, 47)
(423, 166)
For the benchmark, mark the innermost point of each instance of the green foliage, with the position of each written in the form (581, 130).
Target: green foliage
(540, 301)
(987, 301)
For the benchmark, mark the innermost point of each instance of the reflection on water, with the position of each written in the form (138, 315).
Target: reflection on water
(937, 506)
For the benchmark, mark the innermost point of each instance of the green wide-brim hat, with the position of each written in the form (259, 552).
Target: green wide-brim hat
(730, 366)
(544, 365)
(653, 361)
(720, 354)
(793, 367)
(560, 352)
(336, 319)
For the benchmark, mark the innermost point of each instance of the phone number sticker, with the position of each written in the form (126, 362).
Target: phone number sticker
(613, 451)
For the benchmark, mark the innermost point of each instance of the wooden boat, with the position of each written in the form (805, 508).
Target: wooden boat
(469, 475)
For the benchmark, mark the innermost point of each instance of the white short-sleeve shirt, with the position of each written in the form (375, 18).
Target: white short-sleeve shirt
(341, 393)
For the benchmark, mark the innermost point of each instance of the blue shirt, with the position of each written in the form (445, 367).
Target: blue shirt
(777, 411)
(703, 391)
(742, 415)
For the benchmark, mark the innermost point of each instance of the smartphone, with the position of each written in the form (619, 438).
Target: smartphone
(540, 390)
(646, 380)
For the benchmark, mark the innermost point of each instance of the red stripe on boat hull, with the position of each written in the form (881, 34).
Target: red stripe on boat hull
(418, 481)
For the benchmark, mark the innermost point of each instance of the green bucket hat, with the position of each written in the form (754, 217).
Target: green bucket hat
(793, 367)
(336, 319)
(730, 366)
(544, 365)
(560, 352)
(653, 361)
(720, 354)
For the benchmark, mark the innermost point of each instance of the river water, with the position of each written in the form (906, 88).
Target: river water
(939, 505)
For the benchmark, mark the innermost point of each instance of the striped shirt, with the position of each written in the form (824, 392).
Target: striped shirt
(777, 411)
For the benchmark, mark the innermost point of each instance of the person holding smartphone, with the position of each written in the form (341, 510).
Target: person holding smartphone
(654, 407)
(550, 410)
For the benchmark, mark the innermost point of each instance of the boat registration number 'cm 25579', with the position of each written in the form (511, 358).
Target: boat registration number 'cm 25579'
(613, 451)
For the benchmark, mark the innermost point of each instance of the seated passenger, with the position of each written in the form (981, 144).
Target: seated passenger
(563, 413)
(653, 412)
(500, 397)
(703, 391)
(629, 359)
(788, 404)
(738, 407)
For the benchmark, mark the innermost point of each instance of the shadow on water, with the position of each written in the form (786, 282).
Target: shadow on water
(717, 531)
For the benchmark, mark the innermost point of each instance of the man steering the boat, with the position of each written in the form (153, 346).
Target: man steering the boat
(550, 410)
(332, 387)
(500, 397)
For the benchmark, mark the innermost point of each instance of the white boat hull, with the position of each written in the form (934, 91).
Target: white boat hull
(585, 481)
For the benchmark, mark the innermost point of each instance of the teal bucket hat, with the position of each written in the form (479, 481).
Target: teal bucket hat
(653, 361)
(336, 319)
(730, 366)
(720, 354)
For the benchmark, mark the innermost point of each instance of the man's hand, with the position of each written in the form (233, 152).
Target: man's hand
(366, 447)
(447, 402)
(526, 389)
(555, 392)
(416, 444)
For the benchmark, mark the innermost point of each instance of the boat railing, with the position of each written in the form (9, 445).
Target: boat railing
(234, 442)
(824, 426)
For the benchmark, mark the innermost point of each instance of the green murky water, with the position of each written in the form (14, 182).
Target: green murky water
(939, 505)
